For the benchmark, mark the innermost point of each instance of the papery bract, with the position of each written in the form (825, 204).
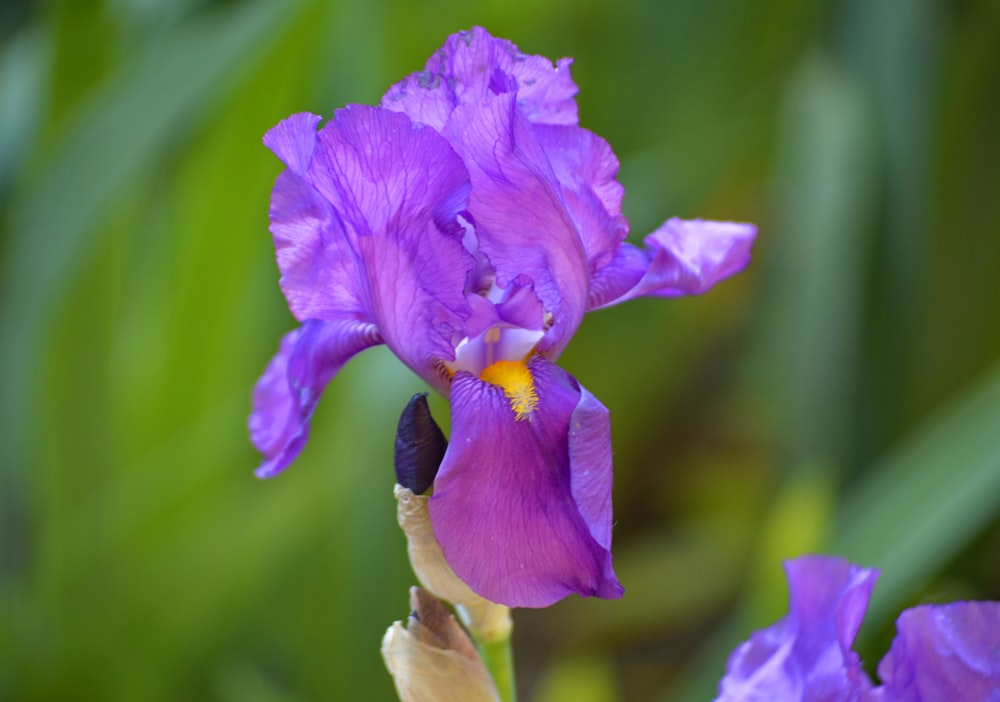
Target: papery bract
(431, 658)
(469, 224)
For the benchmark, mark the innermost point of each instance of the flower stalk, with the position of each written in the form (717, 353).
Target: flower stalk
(498, 657)
(420, 446)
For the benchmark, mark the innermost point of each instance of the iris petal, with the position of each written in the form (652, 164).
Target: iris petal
(472, 65)
(807, 655)
(682, 257)
(941, 652)
(587, 171)
(367, 227)
(522, 508)
(522, 223)
(293, 140)
(318, 264)
(944, 652)
(286, 395)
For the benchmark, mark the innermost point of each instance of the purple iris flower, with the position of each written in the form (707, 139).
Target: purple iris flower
(941, 652)
(468, 223)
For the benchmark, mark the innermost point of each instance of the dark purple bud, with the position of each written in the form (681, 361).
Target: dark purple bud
(420, 446)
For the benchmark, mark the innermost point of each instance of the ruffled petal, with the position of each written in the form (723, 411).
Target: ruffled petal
(590, 457)
(318, 264)
(587, 171)
(369, 229)
(944, 652)
(293, 140)
(520, 305)
(807, 655)
(622, 274)
(522, 507)
(683, 257)
(472, 65)
(522, 223)
(286, 394)
(515, 306)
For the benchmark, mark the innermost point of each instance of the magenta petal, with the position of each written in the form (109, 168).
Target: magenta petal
(684, 257)
(944, 652)
(472, 65)
(286, 394)
(522, 508)
(807, 655)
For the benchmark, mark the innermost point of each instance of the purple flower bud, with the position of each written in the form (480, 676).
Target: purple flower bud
(420, 446)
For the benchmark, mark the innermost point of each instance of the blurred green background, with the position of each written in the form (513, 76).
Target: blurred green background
(842, 395)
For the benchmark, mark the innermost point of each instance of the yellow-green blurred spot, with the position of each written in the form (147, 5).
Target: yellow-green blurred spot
(578, 679)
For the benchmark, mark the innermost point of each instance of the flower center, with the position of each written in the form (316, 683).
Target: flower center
(498, 343)
(517, 383)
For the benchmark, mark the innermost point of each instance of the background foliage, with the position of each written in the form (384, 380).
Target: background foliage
(843, 395)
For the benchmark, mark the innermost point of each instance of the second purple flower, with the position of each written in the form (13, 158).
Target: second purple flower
(469, 224)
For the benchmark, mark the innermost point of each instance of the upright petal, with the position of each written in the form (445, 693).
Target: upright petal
(514, 306)
(944, 652)
(293, 140)
(682, 257)
(472, 65)
(807, 655)
(369, 229)
(317, 260)
(587, 171)
(522, 503)
(522, 223)
(286, 395)
(520, 305)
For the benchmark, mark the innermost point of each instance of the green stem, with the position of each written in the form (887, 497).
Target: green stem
(499, 660)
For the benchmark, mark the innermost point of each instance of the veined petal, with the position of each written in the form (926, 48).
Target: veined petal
(944, 652)
(807, 655)
(369, 230)
(522, 222)
(590, 460)
(472, 65)
(286, 394)
(622, 274)
(318, 264)
(682, 257)
(515, 306)
(587, 171)
(293, 140)
(522, 503)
